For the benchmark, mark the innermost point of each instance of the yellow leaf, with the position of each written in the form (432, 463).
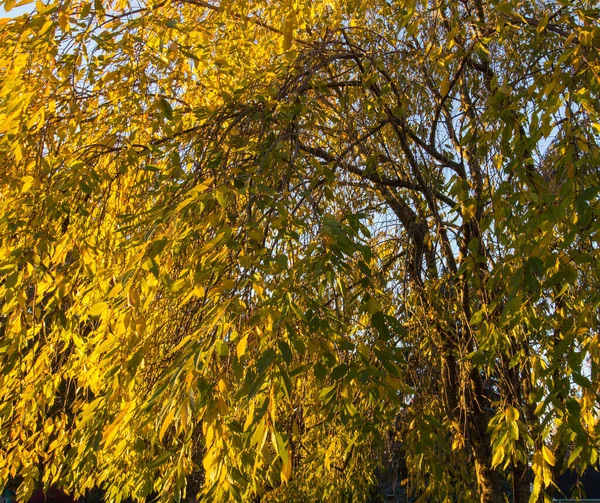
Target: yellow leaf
(512, 414)
(288, 30)
(273, 404)
(585, 37)
(286, 469)
(211, 458)
(140, 325)
(98, 308)
(133, 298)
(249, 417)
(547, 477)
(28, 182)
(209, 435)
(548, 455)
(110, 432)
(223, 407)
(241, 347)
(444, 87)
(166, 424)
(48, 426)
(469, 211)
(537, 464)
(498, 456)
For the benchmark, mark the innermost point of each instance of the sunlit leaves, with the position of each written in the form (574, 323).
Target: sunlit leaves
(257, 246)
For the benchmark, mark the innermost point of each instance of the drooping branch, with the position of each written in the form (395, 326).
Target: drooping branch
(372, 176)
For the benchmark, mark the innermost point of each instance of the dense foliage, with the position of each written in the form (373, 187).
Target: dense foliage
(252, 249)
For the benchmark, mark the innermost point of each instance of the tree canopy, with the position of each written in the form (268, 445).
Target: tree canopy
(253, 249)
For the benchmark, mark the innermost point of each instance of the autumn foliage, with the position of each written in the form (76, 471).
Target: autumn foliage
(257, 249)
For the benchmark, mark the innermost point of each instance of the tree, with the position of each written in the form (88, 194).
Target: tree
(249, 243)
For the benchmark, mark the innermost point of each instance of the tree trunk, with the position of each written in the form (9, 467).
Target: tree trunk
(489, 482)
(521, 483)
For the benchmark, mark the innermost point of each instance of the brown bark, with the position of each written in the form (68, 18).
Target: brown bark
(521, 483)
(489, 482)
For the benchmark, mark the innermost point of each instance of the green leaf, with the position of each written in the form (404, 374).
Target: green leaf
(222, 348)
(285, 351)
(11, 280)
(378, 321)
(327, 393)
(320, 371)
(160, 460)
(279, 445)
(265, 360)
(165, 108)
(339, 371)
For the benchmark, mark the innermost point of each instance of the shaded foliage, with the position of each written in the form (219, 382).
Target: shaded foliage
(254, 243)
